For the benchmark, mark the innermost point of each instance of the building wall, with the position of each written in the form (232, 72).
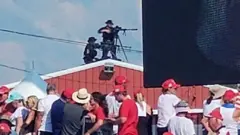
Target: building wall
(90, 79)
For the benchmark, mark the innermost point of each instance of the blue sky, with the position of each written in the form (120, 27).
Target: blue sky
(69, 19)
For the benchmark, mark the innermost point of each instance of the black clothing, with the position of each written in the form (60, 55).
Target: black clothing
(72, 119)
(28, 128)
(109, 47)
(45, 133)
(108, 43)
(144, 126)
(25, 129)
(161, 131)
(107, 36)
(89, 53)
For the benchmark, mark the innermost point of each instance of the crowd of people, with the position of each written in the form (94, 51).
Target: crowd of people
(115, 113)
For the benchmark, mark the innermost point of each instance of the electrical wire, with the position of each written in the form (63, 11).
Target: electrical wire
(73, 42)
(50, 77)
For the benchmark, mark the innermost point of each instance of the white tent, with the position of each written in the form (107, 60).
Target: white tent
(32, 84)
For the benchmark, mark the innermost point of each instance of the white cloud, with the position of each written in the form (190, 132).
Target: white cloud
(13, 55)
(63, 21)
(67, 19)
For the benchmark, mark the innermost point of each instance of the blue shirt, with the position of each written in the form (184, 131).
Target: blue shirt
(57, 116)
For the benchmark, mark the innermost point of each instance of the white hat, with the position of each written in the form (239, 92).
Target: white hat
(182, 109)
(81, 96)
(182, 106)
(217, 91)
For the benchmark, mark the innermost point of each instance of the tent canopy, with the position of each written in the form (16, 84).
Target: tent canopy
(32, 84)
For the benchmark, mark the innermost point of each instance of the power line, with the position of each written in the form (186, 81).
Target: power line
(81, 43)
(59, 77)
(14, 68)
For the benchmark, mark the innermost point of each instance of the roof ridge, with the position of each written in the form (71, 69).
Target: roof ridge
(81, 68)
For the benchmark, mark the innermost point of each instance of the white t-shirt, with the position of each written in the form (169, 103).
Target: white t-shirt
(208, 108)
(45, 105)
(20, 112)
(224, 131)
(113, 104)
(113, 108)
(181, 126)
(142, 110)
(166, 108)
(228, 121)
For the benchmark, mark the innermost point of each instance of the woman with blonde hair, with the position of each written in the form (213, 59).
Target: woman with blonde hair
(144, 114)
(28, 126)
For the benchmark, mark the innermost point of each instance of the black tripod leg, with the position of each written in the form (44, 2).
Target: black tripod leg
(120, 42)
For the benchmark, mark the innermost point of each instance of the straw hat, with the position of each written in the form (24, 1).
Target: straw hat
(81, 96)
(217, 91)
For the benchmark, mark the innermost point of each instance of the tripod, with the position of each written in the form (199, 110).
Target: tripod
(117, 39)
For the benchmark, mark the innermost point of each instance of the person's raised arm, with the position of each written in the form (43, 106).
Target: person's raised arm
(98, 124)
(104, 29)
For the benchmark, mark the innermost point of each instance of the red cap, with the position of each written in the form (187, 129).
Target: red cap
(228, 95)
(120, 80)
(137, 92)
(4, 127)
(167, 133)
(170, 83)
(4, 89)
(216, 114)
(118, 88)
(68, 93)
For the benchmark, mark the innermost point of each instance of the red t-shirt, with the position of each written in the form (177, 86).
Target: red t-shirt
(6, 109)
(129, 110)
(99, 113)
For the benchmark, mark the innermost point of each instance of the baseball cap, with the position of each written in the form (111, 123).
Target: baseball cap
(4, 127)
(216, 114)
(120, 80)
(68, 93)
(170, 83)
(4, 89)
(118, 88)
(228, 95)
(6, 119)
(14, 96)
(167, 133)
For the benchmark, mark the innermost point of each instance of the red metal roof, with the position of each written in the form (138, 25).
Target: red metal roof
(91, 77)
